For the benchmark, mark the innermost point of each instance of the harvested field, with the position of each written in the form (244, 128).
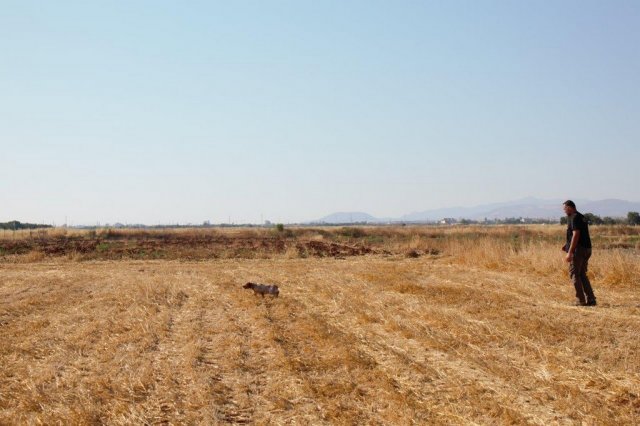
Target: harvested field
(419, 326)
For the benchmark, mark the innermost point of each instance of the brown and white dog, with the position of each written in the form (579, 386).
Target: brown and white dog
(262, 289)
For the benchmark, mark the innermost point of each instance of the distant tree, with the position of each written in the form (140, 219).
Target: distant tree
(633, 218)
(608, 220)
(15, 225)
(593, 219)
(512, 220)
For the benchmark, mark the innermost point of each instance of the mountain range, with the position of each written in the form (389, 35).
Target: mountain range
(533, 208)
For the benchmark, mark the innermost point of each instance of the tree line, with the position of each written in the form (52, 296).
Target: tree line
(633, 218)
(15, 225)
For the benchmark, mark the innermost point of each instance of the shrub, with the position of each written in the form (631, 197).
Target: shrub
(352, 232)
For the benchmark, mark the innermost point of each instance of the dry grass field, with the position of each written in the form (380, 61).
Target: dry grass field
(403, 325)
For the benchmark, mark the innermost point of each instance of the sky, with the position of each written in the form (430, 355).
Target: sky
(164, 112)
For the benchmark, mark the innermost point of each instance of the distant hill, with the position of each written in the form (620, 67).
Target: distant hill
(525, 207)
(533, 208)
(610, 207)
(348, 217)
(544, 209)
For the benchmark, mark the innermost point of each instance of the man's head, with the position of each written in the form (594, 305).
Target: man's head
(569, 207)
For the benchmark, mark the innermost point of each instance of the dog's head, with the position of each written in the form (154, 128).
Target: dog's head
(248, 285)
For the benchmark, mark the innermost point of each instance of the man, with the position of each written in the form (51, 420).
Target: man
(578, 249)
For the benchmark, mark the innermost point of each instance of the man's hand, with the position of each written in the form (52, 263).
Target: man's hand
(569, 257)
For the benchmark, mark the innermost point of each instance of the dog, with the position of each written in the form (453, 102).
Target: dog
(262, 289)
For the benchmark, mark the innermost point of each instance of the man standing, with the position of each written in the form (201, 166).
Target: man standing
(578, 248)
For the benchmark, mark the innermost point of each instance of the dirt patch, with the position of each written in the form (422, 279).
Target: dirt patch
(322, 249)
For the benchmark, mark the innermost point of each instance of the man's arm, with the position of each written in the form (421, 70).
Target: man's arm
(574, 243)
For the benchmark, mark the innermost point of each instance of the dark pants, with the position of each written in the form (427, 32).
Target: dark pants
(578, 272)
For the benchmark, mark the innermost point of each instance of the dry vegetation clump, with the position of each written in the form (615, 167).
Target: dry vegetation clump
(618, 268)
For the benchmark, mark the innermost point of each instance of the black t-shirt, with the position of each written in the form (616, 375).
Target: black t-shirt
(577, 222)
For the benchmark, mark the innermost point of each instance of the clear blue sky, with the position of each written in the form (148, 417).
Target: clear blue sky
(164, 111)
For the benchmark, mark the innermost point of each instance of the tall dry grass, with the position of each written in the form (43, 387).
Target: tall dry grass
(531, 250)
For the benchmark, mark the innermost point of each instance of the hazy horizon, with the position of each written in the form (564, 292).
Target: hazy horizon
(470, 213)
(156, 112)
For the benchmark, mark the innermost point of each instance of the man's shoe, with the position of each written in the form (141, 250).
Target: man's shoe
(579, 302)
(591, 303)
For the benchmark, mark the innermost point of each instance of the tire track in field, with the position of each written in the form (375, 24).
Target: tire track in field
(251, 382)
(202, 364)
(167, 397)
(230, 383)
(331, 369)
